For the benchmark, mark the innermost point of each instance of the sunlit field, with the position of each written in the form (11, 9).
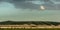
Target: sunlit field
(31, 29)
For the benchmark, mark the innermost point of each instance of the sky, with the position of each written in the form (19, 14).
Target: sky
(36, 10)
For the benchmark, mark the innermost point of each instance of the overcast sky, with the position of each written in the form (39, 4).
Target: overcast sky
(20, 10)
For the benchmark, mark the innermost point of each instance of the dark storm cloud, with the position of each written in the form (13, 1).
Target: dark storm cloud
(24, 4)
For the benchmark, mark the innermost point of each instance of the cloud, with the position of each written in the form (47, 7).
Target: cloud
(13, 10)
(33, 4)
(25, 5)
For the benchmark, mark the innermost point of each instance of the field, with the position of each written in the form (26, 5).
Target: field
(30, 29)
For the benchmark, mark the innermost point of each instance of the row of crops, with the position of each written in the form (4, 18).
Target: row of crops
(30, 29)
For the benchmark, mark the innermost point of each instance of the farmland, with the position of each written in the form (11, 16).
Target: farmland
(30, 29)
(29, 25)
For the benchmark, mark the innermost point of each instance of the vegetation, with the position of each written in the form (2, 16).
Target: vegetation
(29, 22)
(31, 29)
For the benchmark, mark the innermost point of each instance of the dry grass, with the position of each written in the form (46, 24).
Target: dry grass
(30, 29)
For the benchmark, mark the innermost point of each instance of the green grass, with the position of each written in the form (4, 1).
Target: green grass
(31, 29)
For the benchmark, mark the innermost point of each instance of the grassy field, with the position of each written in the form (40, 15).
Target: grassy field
(31, 29)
